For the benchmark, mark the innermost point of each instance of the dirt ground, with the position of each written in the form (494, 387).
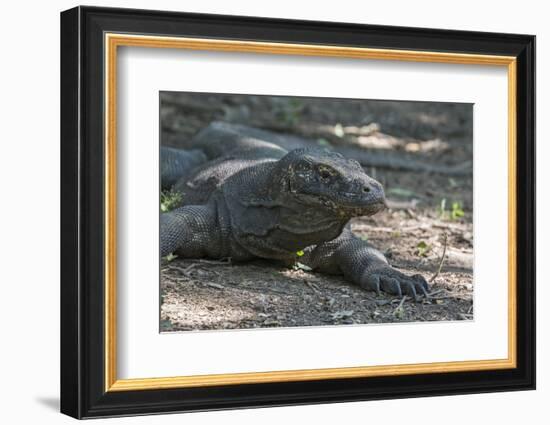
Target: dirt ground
(429, 213)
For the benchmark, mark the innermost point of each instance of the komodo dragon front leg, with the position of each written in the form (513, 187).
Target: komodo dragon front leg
(192, 231)
(363, 265)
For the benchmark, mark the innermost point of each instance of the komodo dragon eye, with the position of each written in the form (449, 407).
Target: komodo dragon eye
(325, 173)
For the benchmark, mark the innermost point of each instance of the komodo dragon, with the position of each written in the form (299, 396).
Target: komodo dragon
(253, 199)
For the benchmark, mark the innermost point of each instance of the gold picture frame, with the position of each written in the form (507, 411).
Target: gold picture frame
(114, 41)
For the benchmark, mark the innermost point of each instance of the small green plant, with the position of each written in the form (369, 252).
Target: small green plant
(457, 211)
(299, 266)
(170, 257)
(422, 248)
(399, 312)
(169, 200)
(454, 213)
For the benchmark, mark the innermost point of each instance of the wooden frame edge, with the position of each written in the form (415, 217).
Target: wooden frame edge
(306, 375)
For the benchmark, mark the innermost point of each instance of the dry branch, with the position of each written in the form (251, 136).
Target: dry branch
(442, 258)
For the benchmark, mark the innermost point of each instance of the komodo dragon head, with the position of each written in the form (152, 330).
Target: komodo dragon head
(327, 181)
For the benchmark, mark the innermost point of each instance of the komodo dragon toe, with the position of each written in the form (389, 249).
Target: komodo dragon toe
(386, 278)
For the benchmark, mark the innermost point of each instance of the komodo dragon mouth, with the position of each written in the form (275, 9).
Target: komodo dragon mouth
(346, 204)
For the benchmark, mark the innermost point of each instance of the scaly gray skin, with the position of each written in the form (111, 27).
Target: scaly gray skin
(175, 163)
(260, 201)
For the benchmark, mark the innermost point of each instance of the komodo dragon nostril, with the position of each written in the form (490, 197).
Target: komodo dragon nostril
(366, 189)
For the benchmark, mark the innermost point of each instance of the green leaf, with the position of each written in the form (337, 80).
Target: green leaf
(170, 257)
(422, 248)
(170, 200)
(457, 211)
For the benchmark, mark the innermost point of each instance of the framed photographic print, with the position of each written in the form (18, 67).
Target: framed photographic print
(261, 212)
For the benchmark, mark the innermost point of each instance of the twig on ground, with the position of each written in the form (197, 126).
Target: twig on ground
(222, 261)
(442, 258)
(430, 294)
(186, 270)
(400, 305)
(183, 270)
(312, 286)
(366, 227)
(451, 296)
(213, 285)
(411, 213)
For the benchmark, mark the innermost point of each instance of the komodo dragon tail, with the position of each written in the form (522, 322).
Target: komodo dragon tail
(221, 138)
